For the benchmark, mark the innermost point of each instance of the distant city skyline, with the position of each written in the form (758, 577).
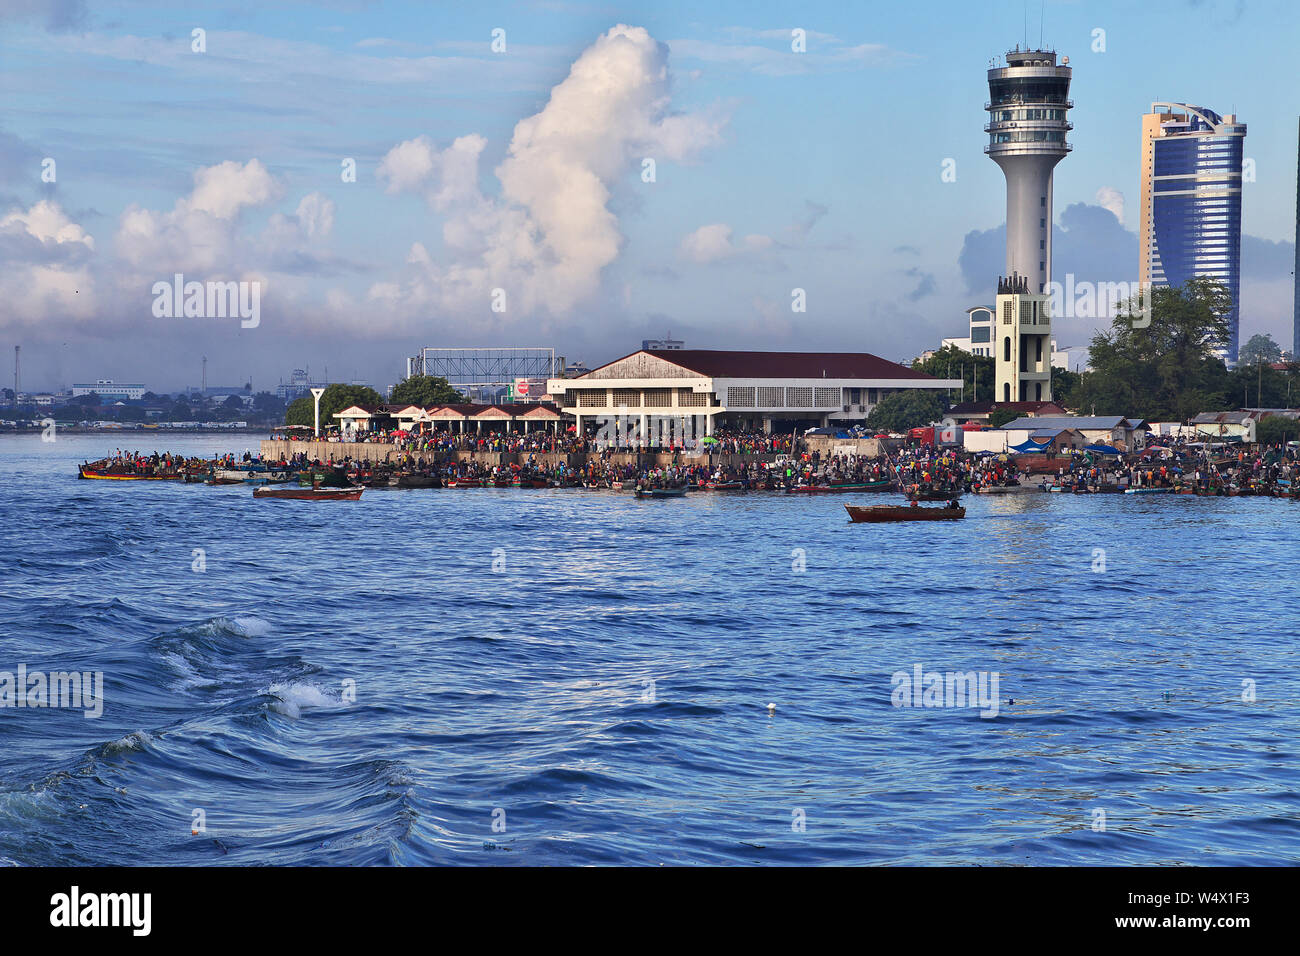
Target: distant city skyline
(389, 176)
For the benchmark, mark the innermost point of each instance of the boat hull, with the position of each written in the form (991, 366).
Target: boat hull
(834, 489)
(309, 494)
(880, 514)
(110, 476)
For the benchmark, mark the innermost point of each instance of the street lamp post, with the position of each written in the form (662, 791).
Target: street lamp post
(316, 394)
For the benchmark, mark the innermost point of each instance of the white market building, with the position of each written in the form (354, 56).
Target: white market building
(752, 391)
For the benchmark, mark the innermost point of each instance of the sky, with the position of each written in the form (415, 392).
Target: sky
(393, 175)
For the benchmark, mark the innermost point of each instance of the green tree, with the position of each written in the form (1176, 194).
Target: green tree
(425, 390)
(300, 411)
(1000, 416)
(973, 370)
(1259, 350)
(910, 408)
(1161, 364)
(1276, 429)
(335, 398)
(268, 404)
(1064, 385)
(180, 412)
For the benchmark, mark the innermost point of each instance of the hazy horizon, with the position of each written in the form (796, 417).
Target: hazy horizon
(130, 155)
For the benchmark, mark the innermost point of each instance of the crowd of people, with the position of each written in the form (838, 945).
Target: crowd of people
(746, 460)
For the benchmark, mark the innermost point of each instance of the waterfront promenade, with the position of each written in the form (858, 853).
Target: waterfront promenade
(284, 450)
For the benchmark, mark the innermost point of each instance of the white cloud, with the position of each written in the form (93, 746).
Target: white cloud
(549, 235)
(713, 243)
(1111, 198)
(201, 232)
(47, 274)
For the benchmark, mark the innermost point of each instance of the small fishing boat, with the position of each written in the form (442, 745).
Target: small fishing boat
(1148, 491)
(415, 480)
(724, 485)
(661, 492)
(309, 494)
(884, 485)
(927, 495)
(877, 514)
(104, 474)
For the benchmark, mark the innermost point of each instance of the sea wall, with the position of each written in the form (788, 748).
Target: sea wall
(276, 450)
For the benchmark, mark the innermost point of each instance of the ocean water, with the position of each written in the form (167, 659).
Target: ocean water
(524, 677)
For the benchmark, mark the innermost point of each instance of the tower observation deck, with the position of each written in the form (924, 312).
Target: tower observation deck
(1029, 100)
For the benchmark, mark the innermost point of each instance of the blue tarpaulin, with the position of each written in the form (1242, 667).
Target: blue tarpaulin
(1104, 450)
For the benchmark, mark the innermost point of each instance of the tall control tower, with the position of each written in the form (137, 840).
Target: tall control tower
(1028, 102)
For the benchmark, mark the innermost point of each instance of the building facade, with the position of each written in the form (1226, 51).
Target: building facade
(1023, 363)
(107, 389)
(1191, 202)
(1029, 100)
(752, 391)
(979, 338)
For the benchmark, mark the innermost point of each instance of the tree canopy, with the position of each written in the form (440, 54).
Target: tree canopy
(334, 399)
(1162, 365)
(425, 390)
(973, 370)
(1276, 429)
(1258, 350)
(910, 408)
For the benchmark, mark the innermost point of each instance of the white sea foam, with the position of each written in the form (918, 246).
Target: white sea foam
(248, 626)
(293, 698)
(137, 740)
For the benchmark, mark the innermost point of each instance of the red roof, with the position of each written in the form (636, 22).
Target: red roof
(719, 363)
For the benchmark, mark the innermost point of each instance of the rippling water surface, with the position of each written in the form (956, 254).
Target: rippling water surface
(603, 698)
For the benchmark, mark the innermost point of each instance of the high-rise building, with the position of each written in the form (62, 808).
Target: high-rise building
(1022, 362)
(1191, 202)
(1029, 100)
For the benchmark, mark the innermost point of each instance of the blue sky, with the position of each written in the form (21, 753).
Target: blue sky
(775, 170)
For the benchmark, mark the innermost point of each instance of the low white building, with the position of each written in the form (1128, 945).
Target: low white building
(751, 391)
(107, 389)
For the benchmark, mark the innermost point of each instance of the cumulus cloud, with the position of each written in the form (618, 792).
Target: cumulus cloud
(549, 234)
(713, 243)
(1111, 198)
(47, 255)
(201, 231)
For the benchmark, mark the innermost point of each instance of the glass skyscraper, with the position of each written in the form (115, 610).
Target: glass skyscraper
(1191, 202)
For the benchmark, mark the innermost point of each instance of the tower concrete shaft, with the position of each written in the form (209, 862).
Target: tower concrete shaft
(1029, 100)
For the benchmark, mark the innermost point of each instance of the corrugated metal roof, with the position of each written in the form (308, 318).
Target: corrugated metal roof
(1083, 423)
(720, 363)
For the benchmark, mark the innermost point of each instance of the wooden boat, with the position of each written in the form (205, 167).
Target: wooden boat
(724, 485)
(847, 486)
(933, 495)
(530, 483)
(309, 494)
(89, 471)
(876, 514)
(1148, 491)
(417, 481)
(661, 492)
